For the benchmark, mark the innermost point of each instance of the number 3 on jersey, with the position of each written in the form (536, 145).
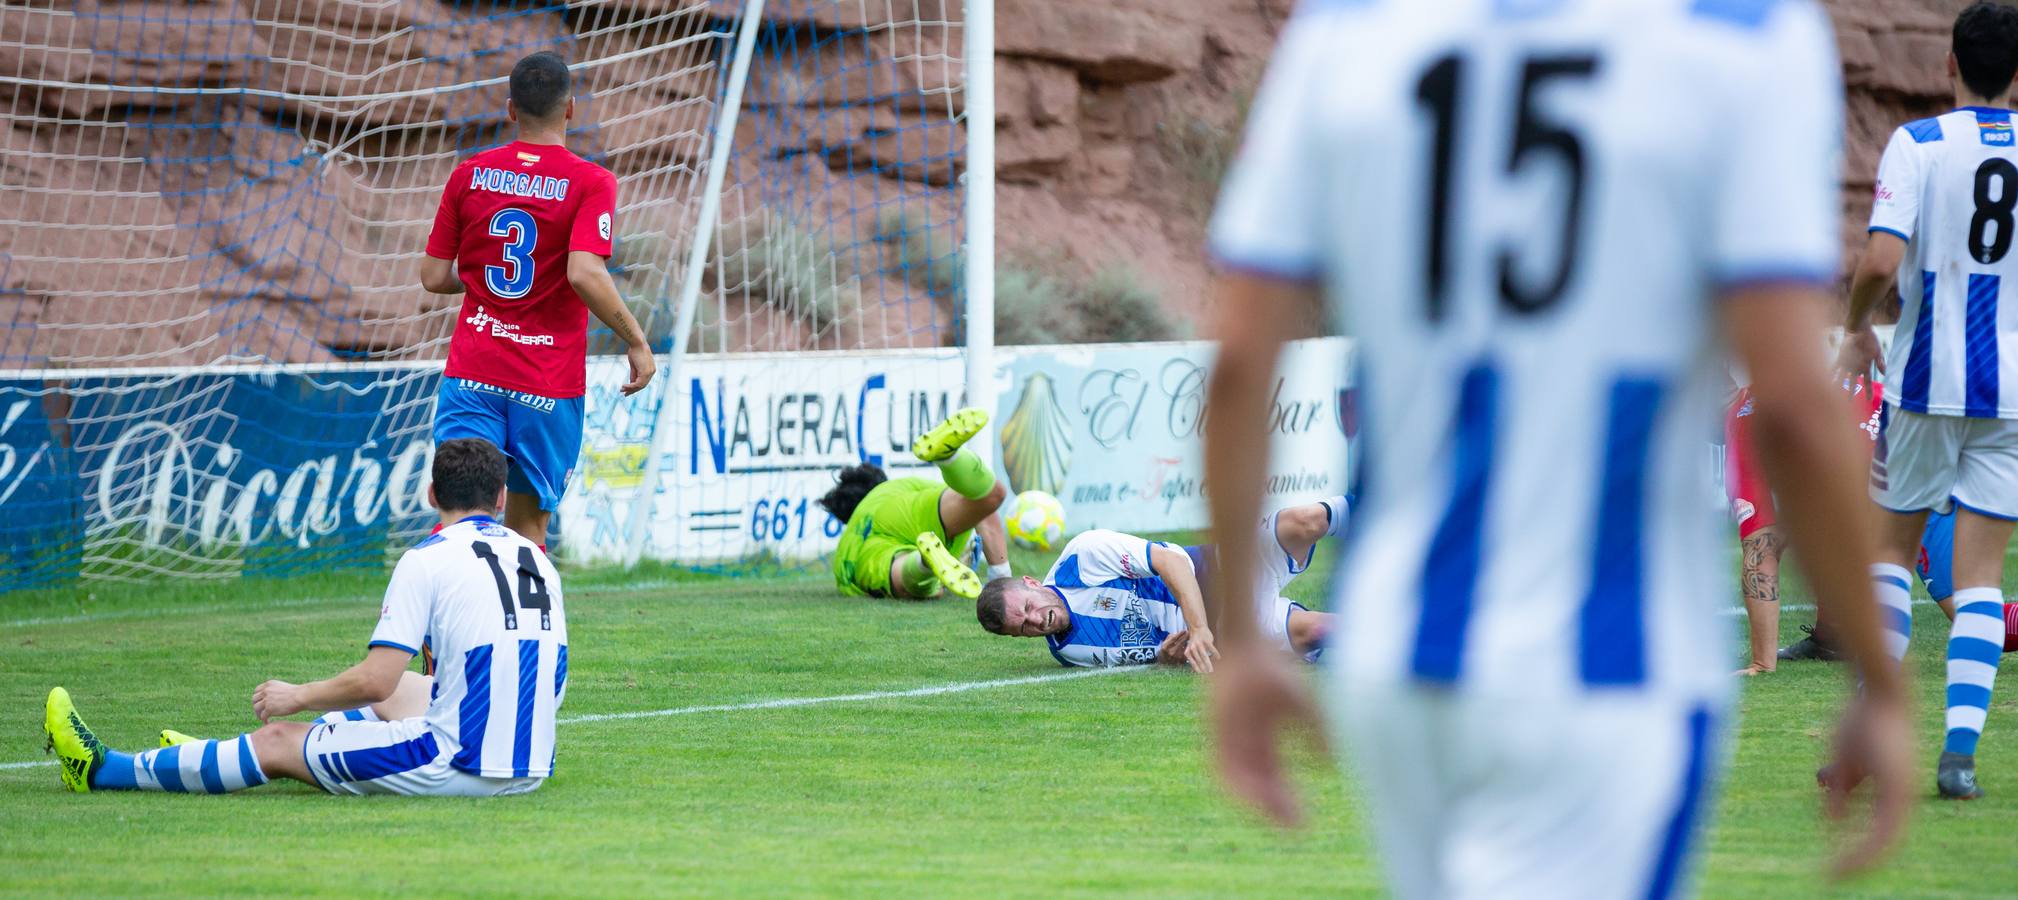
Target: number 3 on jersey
(513, 279)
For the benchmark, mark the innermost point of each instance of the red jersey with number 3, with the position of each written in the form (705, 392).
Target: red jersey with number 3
(509, 217)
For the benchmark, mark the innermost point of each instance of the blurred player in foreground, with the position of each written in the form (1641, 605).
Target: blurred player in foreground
(903, 538)
(1541, 221)
(486, 603)
(1097, 607)
(522, 232)
(1941, 232)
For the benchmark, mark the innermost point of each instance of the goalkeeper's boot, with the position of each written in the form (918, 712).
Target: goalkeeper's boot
(946, 438)
(170, 737)
(1956, 777)
(951, 572)
(76, 747)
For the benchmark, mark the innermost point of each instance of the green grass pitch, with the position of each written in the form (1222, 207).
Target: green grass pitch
(1073, 786)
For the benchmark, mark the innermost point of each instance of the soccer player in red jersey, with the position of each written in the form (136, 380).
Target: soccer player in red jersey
(522, 233)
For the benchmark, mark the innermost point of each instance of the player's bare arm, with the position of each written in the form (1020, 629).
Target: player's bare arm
(1257, 691)
(590, 276)
(1814, 466)
(1876, 273)
(373, 680)
(1174, 568)
(438, 276)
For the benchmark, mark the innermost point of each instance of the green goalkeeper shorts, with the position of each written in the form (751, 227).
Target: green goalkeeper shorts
(887, 523)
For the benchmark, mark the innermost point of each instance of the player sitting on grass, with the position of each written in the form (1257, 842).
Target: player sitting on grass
(1097, 607)
(904, 537)
(489, 729)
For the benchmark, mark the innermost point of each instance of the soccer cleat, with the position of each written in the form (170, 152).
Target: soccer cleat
(951, 572)
(76, 747)
(946, 438)
(1956, 777)
(1811, 647)
(170, 737)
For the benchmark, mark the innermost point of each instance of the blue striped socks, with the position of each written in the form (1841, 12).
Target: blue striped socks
(1975, 644)
(1890, 583)
(360, 714)
(210, 767)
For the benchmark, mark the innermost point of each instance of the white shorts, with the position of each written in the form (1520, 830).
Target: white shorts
(1923, 462)
(1274, 615)
(400, 757)
(1277, 568)
(1597, 797)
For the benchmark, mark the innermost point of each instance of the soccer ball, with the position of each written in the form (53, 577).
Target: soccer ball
(1035, 520)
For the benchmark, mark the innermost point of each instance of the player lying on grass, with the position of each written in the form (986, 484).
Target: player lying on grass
(489, 728)
(904, 537)
(1098, 607)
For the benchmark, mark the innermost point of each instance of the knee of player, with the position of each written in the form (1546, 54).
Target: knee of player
(1304, 524)
(279, 741)
(996, 495)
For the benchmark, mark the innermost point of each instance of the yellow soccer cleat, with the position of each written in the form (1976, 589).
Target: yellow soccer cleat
(951, 572)
(170, 737)
(76, 747)
(946, 438)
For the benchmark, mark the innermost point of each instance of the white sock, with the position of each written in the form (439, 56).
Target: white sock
(1890, 583)
(1001, 570)
(1975, 644)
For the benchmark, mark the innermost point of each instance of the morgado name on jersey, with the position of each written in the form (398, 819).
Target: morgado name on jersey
(518, 184)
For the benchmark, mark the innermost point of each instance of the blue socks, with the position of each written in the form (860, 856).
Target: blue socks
(1975, 644)
(210, 767)
(1890, 583)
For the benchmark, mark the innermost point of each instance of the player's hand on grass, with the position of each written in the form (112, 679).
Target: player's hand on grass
(1200, 651)
(1874, 742)
(644, 364)
(1171, 651)
(276, 699)
(1860, 351)
(1256, 695)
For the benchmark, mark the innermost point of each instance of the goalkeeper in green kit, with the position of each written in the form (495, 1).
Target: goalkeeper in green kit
(904, 537)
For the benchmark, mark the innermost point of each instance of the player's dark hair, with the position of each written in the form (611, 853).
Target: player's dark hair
(1986, 48)
(468, 473)
(992, 607)
(540, 84)
(850, 486)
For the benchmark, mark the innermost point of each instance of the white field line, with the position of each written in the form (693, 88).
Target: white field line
(777, 703)
(935, 690)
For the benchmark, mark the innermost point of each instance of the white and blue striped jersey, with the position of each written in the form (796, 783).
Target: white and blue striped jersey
(1948, 186)
(1121, 610)
(1524, 211)
(487, 604)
